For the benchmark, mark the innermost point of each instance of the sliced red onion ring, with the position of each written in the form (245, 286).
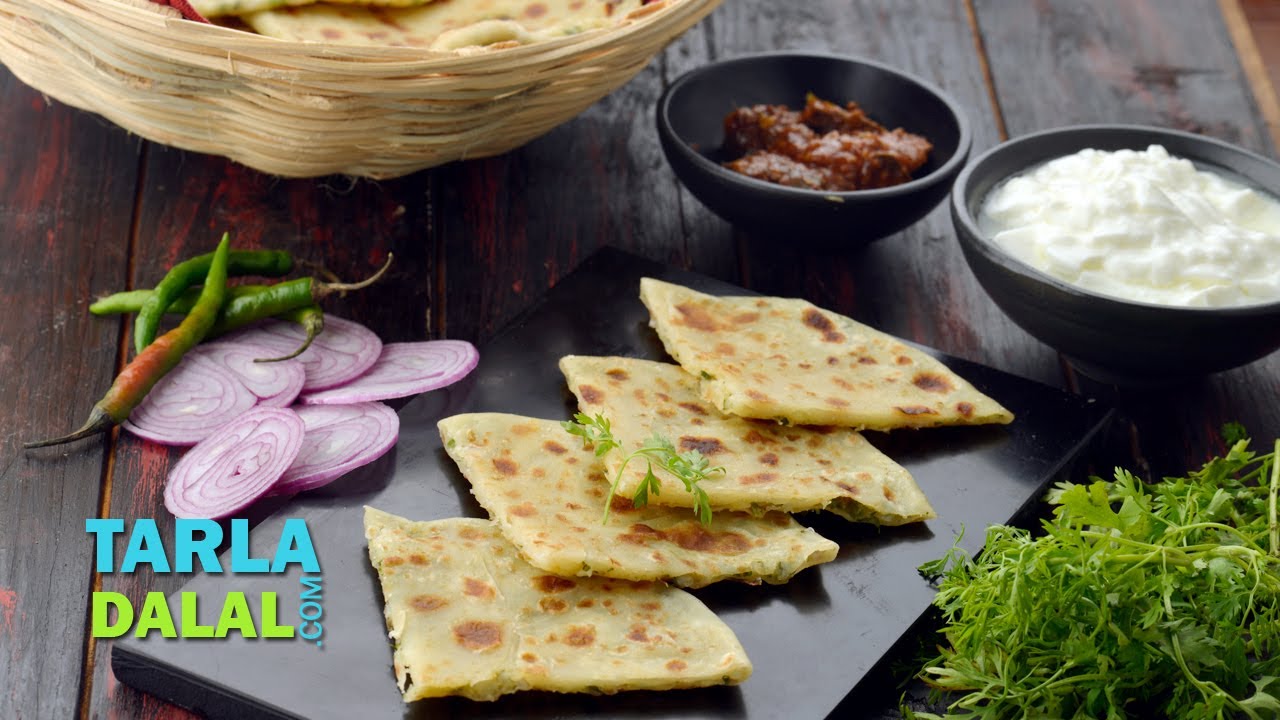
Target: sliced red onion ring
(342, 352)
(339, 439)
(275, 383)
(235, 465)
(403, 369)
(189, 403)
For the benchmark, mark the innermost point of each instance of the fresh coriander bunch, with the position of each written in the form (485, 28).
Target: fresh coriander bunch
(1137, 600)
(690, 468)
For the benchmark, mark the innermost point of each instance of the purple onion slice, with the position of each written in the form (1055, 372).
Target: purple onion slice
(403, 369)
(235, 465)
(344, 351)
(338, 439)
(189, 403)
(276, 384)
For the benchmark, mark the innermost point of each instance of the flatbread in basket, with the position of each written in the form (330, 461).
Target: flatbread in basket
(441, 25)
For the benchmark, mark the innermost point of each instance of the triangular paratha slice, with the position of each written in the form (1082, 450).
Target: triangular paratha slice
(789, 361)
(547, 494)
(470, 618)
(767, 466)
(441, 24)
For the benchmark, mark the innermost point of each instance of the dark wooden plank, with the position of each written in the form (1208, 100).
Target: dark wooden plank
(1168, 63)
(514, 224)
(66, 195)
(187, 201)
(914, 284)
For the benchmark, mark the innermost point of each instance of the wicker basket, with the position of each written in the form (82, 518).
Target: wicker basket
(306, 109)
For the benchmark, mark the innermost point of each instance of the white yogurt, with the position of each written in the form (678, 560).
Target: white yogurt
(1142, 226)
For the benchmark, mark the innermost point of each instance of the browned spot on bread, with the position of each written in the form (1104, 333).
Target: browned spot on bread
(851, 489)
(694, 408)
(746, 317)
(842, 383)
(552, 446)
(837, 402)
(965, 409)
(478, 635)
(529, 657)
(804, 366)
(590, 394)
(865, 360)
(888, 494)
(617, 374)
(580, 635)
(524, 510)
(551, 584)
(393, 560)
(477, 588)
(755, 438)
(903, 360)
(704, 445)
(538, 473)
(650, 606)
(757, 396)
(523, 430)
(331, 33)
(535, 10)
(571, 460)
(663, 397)
(620, 504)
(470, 533)
(677, 665)
(586, 603)
(758, 478)
(697, 421)
(573, 506)
(916, 410)
(638, 634)
(769, 459)
(553, 605)
(931, 382)
(506, 466)
(833, 360)
(693, 536)
(418, 559)
(725, 349)
(427, 603)
(822, 324)
(696, 317)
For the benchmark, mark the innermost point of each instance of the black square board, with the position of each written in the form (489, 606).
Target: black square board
(812, 641)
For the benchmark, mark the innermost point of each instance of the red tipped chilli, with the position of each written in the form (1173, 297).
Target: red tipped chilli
(339, 439)
(190, 403)
(275, 384)
(144, 371)
(344, 351)
(403, 369)
(235, 465)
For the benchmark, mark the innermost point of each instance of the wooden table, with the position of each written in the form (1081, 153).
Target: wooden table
(86, 209)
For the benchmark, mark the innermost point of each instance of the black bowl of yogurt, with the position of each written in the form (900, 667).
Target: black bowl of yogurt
(1057, 263)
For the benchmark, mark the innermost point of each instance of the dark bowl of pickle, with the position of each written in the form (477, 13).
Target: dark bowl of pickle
(810, 148)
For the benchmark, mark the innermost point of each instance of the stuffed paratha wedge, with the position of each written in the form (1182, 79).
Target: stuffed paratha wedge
(786, 360)
(470, 618)
(547, 494)
(767, 466)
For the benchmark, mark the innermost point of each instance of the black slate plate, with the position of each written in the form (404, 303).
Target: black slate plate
(811, 641)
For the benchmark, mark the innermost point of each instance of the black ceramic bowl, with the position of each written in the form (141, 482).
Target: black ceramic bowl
(691, 127)
(1109, 339)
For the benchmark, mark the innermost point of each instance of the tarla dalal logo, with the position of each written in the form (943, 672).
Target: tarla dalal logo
(195, 545)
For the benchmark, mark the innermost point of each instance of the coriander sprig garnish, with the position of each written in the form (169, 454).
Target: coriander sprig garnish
(1137, 599)
(689, 468)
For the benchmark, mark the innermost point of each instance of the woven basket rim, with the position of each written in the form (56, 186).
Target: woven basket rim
(406, 59)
